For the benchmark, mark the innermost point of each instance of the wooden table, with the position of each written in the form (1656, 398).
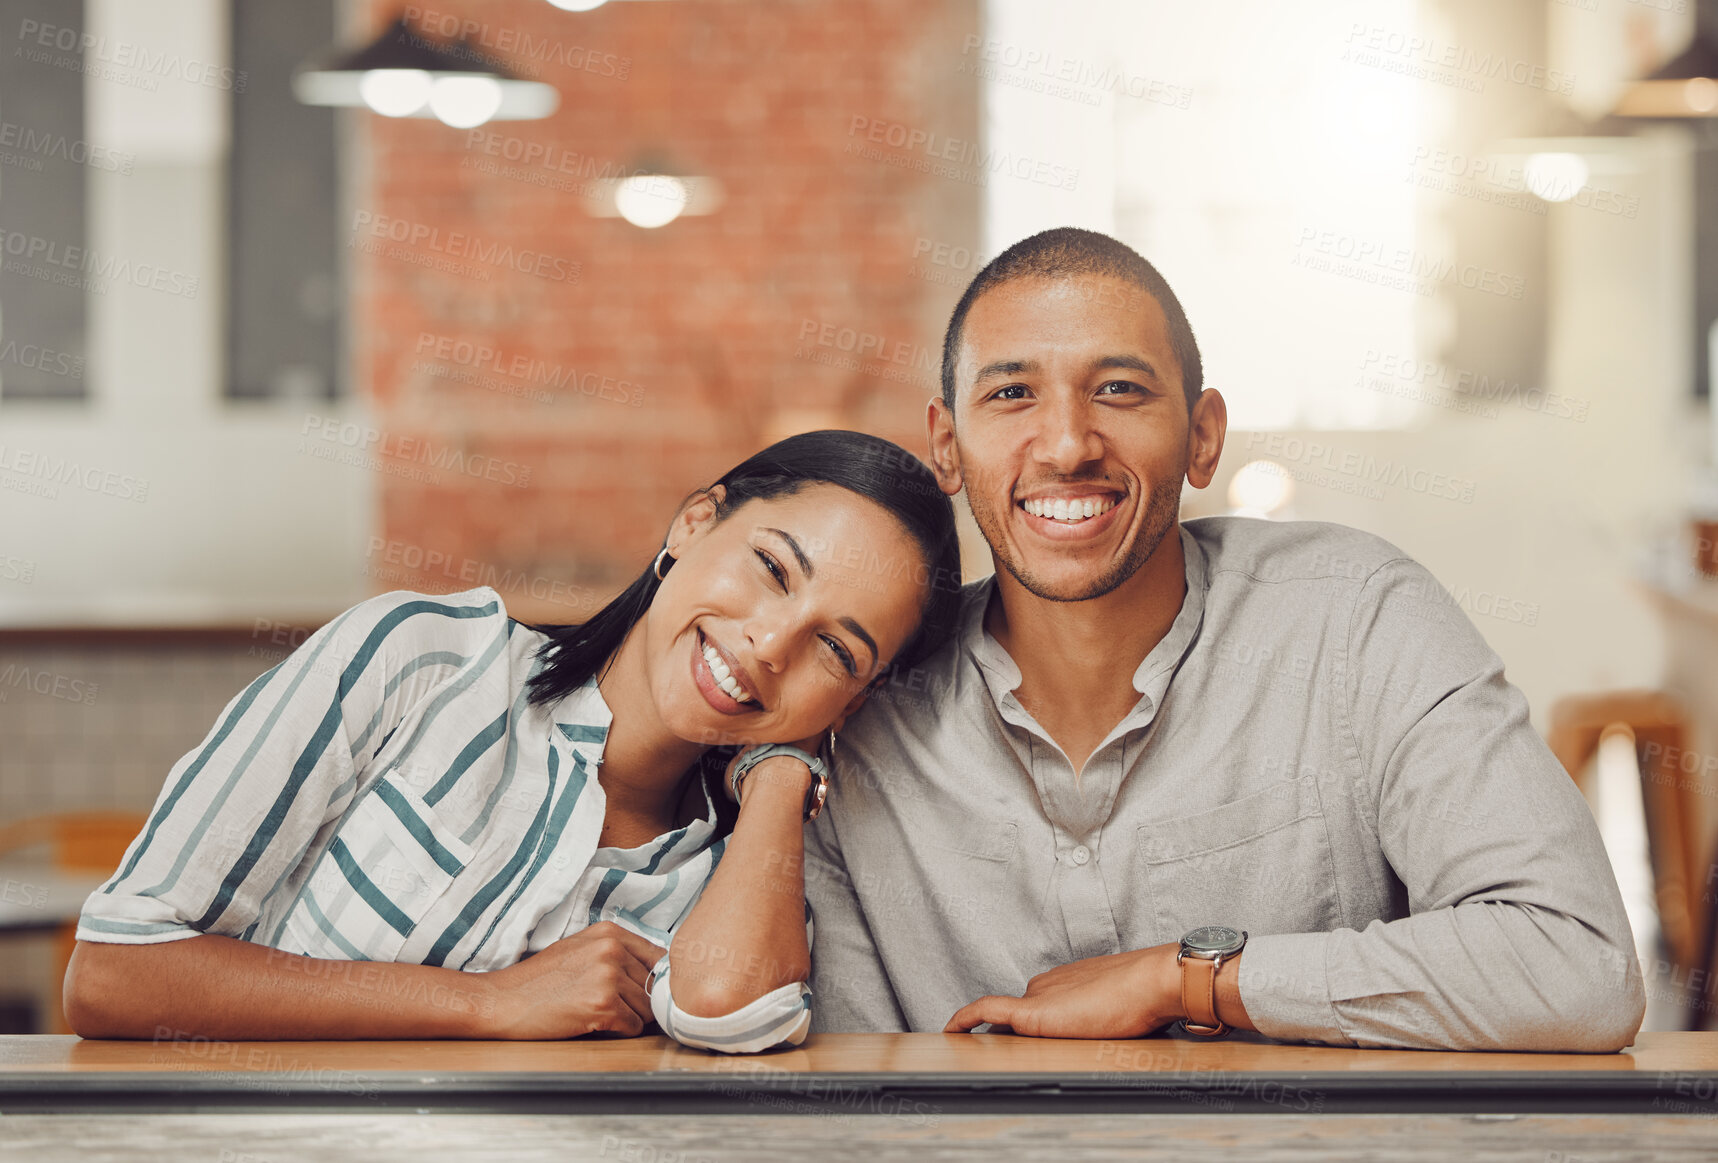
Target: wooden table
(839, 1097)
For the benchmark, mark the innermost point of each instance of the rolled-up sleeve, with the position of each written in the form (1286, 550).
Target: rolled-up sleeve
(1516, 937)
(781, 1017)
(236, 815)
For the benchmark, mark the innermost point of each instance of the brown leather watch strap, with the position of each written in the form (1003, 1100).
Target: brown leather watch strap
(1199, 996)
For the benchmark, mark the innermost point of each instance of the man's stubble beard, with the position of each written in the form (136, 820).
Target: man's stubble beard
(1161, 513)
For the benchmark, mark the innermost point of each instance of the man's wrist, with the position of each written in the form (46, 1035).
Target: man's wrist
(1230, 1009)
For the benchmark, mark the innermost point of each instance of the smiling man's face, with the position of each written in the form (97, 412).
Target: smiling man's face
(1071, 432)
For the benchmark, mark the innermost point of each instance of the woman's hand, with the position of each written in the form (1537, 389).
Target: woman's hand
(590, 982)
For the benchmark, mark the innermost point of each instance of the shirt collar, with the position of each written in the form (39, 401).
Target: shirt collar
(582, 720)
(1152, 675)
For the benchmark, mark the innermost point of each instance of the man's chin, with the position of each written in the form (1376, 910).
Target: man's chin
(1065, 585)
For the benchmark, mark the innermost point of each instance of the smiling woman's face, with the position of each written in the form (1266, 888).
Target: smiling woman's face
(772, 620)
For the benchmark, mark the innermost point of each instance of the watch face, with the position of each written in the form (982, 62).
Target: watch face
(1213, 939)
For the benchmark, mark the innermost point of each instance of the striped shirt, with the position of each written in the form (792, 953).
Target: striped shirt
(387, 793)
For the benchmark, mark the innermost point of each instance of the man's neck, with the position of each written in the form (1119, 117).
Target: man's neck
(1077, 659)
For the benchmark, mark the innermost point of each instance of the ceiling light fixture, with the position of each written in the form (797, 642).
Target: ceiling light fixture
(405, 74)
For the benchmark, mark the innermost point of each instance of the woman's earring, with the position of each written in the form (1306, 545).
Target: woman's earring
(656, 566)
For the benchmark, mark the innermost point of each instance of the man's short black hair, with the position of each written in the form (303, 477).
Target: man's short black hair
(1068, 250)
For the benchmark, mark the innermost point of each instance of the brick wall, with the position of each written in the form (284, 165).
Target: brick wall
(590, 391)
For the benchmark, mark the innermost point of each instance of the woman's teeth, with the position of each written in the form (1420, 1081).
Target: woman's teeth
(1063, 509)
(724, 677)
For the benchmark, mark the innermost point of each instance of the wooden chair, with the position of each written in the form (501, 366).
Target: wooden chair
(1671, 799)
(79, 842)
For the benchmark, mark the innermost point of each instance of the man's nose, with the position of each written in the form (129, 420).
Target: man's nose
(1068, 438)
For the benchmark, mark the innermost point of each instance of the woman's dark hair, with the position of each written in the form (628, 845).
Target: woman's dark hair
(876, 469)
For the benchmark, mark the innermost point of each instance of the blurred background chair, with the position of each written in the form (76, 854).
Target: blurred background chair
(1657, 726)
(48, 865)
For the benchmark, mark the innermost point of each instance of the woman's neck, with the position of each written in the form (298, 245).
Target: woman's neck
(642, 760)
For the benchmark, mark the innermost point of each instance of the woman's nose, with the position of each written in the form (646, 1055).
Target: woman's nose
(770, 643)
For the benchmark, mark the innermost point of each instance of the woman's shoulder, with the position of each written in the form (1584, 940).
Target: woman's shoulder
(423, 619)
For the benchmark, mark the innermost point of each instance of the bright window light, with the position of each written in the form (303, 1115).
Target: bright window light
(395, 92)
(577, 5)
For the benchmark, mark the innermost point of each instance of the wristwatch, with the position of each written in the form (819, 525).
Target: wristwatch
(1203, 952)
(814, 795)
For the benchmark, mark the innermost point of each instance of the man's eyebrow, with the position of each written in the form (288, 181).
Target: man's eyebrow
(1131, 362)
(1007, 367)
(798, 553)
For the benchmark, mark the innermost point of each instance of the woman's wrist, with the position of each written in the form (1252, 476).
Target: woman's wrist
(780, 778)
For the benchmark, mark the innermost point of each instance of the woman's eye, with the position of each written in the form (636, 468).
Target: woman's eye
(842, 654)
(775, 570)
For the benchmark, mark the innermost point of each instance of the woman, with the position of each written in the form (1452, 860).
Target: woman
(434, 821)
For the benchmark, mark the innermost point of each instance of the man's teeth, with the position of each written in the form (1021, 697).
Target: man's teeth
(1063, 509)
(725, 677)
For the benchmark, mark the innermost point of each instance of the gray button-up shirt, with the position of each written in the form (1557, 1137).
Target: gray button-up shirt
(1324, 753)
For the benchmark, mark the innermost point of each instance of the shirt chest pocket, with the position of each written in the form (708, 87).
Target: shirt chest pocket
(1260, 863)
(389, 863)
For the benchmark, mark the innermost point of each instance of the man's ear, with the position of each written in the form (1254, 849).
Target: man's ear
(697, 513)
(945, 454)
(1205, 431)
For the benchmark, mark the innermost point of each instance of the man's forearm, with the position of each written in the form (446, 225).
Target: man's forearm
(222, 987)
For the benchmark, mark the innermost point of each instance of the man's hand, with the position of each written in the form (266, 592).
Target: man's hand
(1123, 995)
(590, 982)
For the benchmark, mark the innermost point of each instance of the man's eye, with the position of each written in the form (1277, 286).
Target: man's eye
(775, 570)
(1124, 385)
(1002, 393)
(842, 654)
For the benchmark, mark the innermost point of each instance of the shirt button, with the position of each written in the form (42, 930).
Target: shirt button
(1082, 854)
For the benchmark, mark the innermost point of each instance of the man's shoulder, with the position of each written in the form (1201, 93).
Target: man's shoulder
(1286, 551)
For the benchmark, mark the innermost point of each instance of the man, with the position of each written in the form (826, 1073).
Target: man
(1276, 750)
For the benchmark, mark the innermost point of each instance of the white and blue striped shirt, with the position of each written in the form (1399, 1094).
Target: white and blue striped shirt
(388, 794)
